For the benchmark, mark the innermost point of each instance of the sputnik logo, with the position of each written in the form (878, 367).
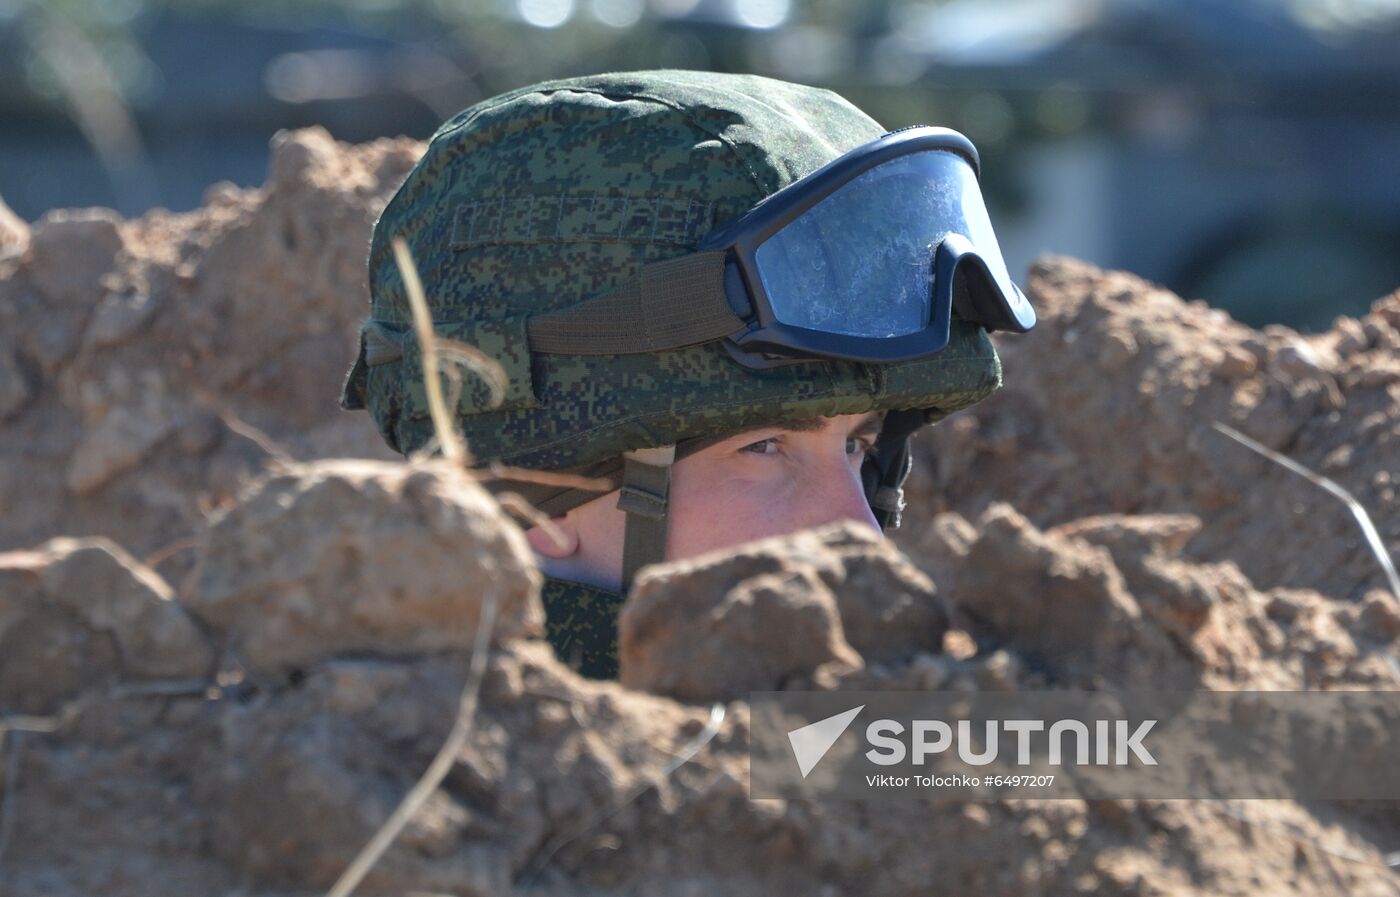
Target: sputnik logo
(811, 742)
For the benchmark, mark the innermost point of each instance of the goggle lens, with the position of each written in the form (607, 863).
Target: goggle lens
(861, 261)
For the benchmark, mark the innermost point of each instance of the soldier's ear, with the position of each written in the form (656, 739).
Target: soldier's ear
(545, 543)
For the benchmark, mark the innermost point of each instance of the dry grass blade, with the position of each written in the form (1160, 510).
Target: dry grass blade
(437, 770)
(1373, 538)
(477, 361)
(16, 727)
(169, 550)
(515, 503)
(1228, 808)
(453, 448)
(96, 102)
(700, 740)
(428, 450)
(455, 451)
(677, 761)
(38, 723)
(219, 407)
(454, 385)
(263, 441)
(498, 471)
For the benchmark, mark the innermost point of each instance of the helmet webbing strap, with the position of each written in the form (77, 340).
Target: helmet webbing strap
(646, 487)
(669, 304)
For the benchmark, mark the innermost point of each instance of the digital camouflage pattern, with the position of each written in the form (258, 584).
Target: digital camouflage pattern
(544, 196)
(581, 625)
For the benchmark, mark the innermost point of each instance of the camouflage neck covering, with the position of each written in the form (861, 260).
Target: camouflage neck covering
(581, 625)
(545, 196)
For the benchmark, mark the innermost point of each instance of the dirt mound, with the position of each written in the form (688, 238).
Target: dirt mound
(149, 367)
(1108, 408)
(267, 770)
(237, 704)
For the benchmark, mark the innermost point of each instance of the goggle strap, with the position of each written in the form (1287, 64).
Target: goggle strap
(670, 304)
(646, 487)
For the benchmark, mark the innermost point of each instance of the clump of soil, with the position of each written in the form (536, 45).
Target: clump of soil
(231, 639)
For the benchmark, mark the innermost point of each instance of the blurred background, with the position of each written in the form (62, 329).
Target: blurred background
(1242, 151)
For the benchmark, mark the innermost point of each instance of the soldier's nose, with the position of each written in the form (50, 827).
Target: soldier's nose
(841, 497)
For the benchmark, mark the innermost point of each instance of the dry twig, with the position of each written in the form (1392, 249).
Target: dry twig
(498, 471)
(515, 503)
(219, 407)
(453, 448)
(484, 366)
(1363, 519)
(1286, 830)
(437, 770)
(1373, 540)
(169, 550)
(277, 453)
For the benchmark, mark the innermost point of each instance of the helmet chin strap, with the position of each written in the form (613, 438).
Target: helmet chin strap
(885, 472)
(646, 487)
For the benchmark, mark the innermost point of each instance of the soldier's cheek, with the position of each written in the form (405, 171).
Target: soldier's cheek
(721, 516)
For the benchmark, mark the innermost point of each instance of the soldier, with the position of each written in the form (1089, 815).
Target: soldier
(730, 297)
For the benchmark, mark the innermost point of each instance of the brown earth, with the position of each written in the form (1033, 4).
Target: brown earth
(248, 655)
(138, 357)
(1108, 408)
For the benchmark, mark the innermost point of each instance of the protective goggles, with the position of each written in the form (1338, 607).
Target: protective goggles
(867, 258)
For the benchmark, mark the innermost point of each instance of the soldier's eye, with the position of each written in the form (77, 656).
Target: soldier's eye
(860, 447)
(761, 447)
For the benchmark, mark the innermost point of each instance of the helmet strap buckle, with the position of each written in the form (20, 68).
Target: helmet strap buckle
(646, 487)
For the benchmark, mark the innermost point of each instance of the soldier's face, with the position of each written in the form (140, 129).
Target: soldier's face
(763, 482)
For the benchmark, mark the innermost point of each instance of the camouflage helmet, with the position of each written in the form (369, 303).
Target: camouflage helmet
(545, 196)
